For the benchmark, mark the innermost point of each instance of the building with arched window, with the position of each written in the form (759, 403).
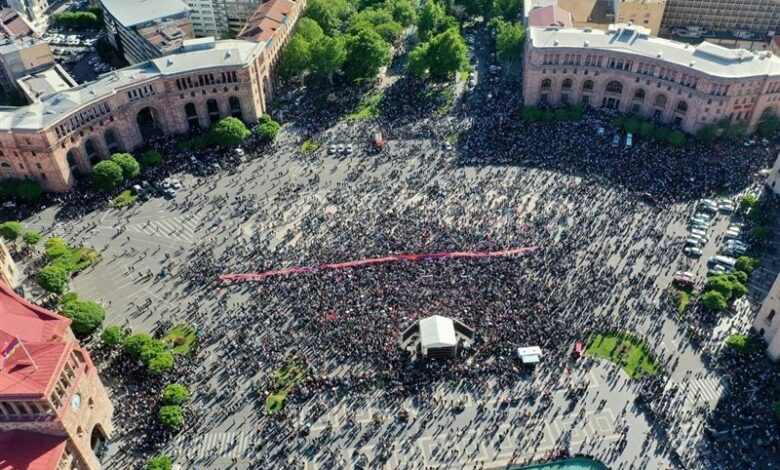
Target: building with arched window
(63, 134)
(767, 322)
(54, 410)
(626, 69)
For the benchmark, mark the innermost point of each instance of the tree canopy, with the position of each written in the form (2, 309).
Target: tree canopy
(53, 278)
(113, 335)
(31, 238)
(509, 40)
(171, 416)
(447, 54)
(160, 462)
(267, 128)
(128, 164)
(229, 132)
(107, 175)
(86, 315)
(175, 394)
(367, 52)
(714, 300)
(11, 230)
(433, 20)
(151, 158)
(296, 58)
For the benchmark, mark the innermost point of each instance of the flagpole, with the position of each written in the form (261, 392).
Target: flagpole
(29, 356)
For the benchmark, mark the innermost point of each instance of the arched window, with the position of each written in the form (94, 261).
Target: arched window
(91, 151)
(682, 107)
(111, 143)
(639, 94)
(192, 116)
(768, 112)
(588, 85)
(614, 87)
(213, 109)
(566, 84)
(235, 107)
(546, 84)
(5, 165)
(660, 101)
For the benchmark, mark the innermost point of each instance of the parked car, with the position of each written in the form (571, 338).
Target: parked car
(616, 140)
(694, 242)
(693, 251)
(629, 140)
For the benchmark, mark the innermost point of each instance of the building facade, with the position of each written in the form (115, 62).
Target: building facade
(54, 410)
(758, 16)
(626, 69)
(61, 136)
(208, 17)
(141, 30)
(767, 322)
(35, 11)
(773, 179)
(8, 273)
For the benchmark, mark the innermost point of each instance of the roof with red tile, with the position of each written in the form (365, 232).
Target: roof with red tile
(31, 450)
(29, 322)
(266, 20)
(14, 24)
(551, 15)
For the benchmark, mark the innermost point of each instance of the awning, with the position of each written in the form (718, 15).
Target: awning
(529, 355)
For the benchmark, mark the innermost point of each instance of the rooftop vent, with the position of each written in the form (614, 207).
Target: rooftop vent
(169, 62)
(555, 43)
(659, 55)
(693, 62)
(586, 44)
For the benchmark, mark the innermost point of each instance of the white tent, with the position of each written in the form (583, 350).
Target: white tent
(530, 355)
(437, 332)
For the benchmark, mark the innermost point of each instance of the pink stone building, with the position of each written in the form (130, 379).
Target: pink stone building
(626, 69)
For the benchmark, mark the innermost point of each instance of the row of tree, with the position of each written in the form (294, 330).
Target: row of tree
(645, 128)
(733, 132)
(441, 51)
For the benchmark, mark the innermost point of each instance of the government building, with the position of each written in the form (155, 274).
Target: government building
(626, 69)
(55, 413)
(61, 135)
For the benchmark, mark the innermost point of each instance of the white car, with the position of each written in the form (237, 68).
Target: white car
(629, 140)
(340, 148)
(694, 241)
(331, 149)
(703, 216)
(447, 146)
(693, 251)
(726, 207)
(698, 232)
(349, 149)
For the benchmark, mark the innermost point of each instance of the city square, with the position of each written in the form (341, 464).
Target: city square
(408, 274)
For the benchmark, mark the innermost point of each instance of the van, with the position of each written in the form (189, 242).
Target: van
(698, 232)
(731, 234)
(726, 261)
(694, 241)
(629, 140)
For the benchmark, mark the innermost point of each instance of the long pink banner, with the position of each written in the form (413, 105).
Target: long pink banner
(370, 261)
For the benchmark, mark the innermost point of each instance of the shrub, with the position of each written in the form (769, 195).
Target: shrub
(548, 116)
(11, 230)
(76, 19)
(721, 284)
(151, 350)
(161, 364)
(646, 129)
(69, 297)
(561, 115)
(741, 276)
(632, 125)
(107, 175)
(532, 113)
(135, 343)
(128, 164)
(714, 300)
(171, 416)
(760, 232)
(747, 201)
(228, 132)
(267, 128)
(151, 158)
(175, 394)
(746, 264)
(161, 462)
(740, 343)
(29, 190)
(31, 238)
(55, 247)
(113, 335)
(707, 134)
(53, 279)
(86, 315)
(676, 138)
(618, 122)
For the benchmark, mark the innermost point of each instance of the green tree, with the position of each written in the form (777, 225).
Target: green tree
(175, 394)
(11, 230)
(107, 175)
(161, 364)
(632, 125)
(229, 132)
(113, 335)
(714, 300)
(151, 350)
(128, 164)
(661, 134)
(676, 138)
(366, 53)
(722, 285)
(31, 238)
(507, 9)
(267, 128)
(309, 30)
(735, 132)
(509, 41)
(746, 264)
(418, 61)
(86, 315)
(296, 58)
(29, 190)
(747, 201)
(151, 158)
(561, 115)
(707, 134)
(740, 343)
(134, 344)
(171, 416)
(390, 31)
(548, 116)
(618, 122)
(433, 20)
(403, 11)
(646, 129)
(77, 20)
(768, 127)
(55, 247)
(328, 56)
(328, 13)
(760, 232)
(447, 54)
(53, 278)
(160, 462)
(8, 189)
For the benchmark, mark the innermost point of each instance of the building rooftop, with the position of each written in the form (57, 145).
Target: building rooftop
(707, 58)
(136, 12)
(194, 55)
(27, 450)
(29, 322)
(13, 24)
(437, 331)
(169, 35)
(267, 18)
(45, 82)
(551, 15)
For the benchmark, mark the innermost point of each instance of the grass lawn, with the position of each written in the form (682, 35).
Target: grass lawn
(447, 96)
(283, 381)
(625, 350)
(452, 138)
(463, 75)
(740, 343)
(310, 146)
(682, 295)
(125, 198)
(368, 108)
(180, 339)
(76, 259)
